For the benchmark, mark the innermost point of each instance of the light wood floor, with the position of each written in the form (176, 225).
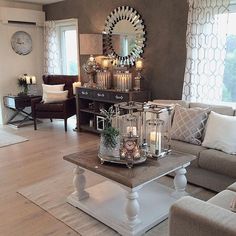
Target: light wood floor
(29, 162)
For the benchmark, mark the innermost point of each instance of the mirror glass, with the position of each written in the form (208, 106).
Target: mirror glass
(123, 38)
(124, 35)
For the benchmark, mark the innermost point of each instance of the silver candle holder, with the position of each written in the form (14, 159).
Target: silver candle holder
(123, 81)
(104, 79)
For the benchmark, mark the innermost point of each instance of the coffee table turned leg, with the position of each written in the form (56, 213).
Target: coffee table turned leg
(79, 182)
(180, 183)
(132, 209)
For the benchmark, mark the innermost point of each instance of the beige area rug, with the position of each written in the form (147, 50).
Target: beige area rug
(51, 196)
(7, 139)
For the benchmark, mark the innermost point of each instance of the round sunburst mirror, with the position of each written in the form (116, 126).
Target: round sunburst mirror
(124, 35)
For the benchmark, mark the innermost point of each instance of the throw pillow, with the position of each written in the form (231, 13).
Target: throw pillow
(188, 124)
(221, 133)
(55, 96)
(50, 88)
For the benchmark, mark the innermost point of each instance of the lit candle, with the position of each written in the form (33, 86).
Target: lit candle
(131, 130)
(139, 64)
(28, 78)
(33, 79)
(105, 63)
(155, 142)
(76, 85)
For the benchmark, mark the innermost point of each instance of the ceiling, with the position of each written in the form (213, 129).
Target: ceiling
(37, 1)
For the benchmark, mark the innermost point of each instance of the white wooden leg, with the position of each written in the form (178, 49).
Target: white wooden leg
(132, 209)
(79, 182)
(180, 183)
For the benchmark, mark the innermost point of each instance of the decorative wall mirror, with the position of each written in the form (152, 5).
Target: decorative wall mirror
(124, 35)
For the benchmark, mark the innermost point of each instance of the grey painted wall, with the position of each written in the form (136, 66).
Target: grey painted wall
(166, 22)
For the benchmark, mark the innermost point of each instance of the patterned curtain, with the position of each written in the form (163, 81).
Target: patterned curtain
(206, 50)
(52, 62)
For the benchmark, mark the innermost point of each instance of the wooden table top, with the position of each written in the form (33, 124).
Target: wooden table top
(138, 175)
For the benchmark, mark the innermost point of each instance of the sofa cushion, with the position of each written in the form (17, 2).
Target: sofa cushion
(218, 162)
(208, 179)
(232, 187)
(187, 147)
(49, 107)
(188, 124)
(223, 199)
(224, 110)
(220, 133)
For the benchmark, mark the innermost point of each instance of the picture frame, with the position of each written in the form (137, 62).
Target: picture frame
(100, 123)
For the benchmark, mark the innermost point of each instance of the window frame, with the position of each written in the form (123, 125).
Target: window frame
(62, 26)
(62, 39)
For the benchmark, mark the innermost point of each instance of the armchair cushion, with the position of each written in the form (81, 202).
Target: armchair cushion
(55, 96)
(50, 88)
(68, 80)
(49, 107)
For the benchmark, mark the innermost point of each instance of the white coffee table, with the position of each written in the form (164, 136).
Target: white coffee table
(129, 200)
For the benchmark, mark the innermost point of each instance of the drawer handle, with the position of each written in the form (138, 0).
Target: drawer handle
(119, 97)
(100, 94)
(84, 93)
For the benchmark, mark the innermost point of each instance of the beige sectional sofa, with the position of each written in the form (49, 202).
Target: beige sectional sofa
(212, 169)
(192, 217)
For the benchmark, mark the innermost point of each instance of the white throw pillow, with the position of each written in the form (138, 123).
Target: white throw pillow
(55, 96)
(50, 88)
(221, 133)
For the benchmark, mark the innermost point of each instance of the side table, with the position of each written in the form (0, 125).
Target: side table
(18, 105)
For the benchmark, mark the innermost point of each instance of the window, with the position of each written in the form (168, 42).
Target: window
(68, 50)
(229, 81)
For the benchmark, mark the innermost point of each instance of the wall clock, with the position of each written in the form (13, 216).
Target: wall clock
(21, 43)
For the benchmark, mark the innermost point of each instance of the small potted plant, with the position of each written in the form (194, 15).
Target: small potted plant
(110, 139)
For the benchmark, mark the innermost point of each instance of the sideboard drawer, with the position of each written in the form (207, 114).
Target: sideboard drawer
(101, 95)
(85, 93)
(119, 97)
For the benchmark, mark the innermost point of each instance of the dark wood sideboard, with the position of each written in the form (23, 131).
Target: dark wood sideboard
(89, 101)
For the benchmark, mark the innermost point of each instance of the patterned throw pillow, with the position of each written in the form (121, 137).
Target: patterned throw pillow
(188, 124)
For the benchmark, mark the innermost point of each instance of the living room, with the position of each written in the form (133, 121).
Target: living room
(117, 117)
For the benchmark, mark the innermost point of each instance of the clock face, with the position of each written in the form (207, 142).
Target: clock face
(21, 43)
(130, 145)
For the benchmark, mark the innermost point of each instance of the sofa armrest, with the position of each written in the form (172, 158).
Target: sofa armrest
(193, 217)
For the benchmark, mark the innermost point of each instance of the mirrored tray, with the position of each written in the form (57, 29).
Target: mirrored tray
(118, 160)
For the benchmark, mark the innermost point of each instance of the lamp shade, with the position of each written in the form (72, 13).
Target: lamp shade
(91, 44)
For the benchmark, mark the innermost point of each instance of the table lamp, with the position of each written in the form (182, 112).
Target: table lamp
(91, 44)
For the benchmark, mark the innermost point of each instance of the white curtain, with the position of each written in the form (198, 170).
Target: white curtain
(206, 50)
(52, 62)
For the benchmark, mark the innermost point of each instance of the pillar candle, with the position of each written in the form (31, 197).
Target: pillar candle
(139, 64)
(76, 85)
(155, 142)
(33, 79)
(132, 129)
(28, 78)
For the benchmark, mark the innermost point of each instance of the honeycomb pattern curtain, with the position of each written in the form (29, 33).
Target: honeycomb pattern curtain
(51, 49)
(206, 50)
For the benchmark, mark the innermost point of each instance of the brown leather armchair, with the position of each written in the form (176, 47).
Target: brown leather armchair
(59, 110)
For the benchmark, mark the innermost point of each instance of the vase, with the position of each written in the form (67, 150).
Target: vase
(109, 151)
